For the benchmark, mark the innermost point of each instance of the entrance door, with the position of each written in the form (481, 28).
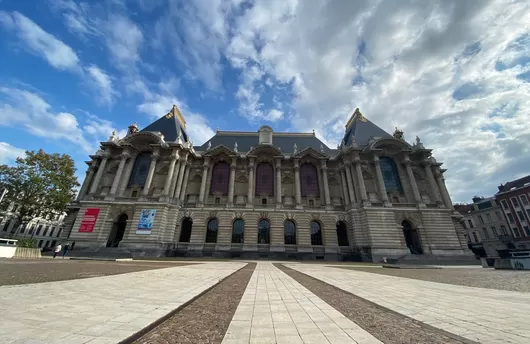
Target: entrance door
(117, 232)
(185, 230)
(342, 234)
(412, 239)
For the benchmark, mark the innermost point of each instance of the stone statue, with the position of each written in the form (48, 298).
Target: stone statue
(235, 146)
(209, 145)
(418, 144)
(133, 128)
(353, 143)
(398, 134)
(179, 137)
(418, 141)
(113, 137)
(295, 149)
(322, 148)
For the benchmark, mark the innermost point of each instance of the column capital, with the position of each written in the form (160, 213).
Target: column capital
(357, 161)
(233, 164)
(376, 160)
(125, 155)
(175, 153)
(278, 163)
(155, 157)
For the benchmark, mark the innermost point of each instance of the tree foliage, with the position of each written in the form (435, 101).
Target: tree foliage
(39, 184)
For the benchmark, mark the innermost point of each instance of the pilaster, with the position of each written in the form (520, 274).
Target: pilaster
(99, 174)
(380, 181)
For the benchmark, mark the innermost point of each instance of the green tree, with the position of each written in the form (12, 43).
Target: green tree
(40, 184)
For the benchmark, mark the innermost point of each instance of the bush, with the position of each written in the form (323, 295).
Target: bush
(27, 242)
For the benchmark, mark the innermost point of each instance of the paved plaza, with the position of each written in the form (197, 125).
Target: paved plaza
(265, 304)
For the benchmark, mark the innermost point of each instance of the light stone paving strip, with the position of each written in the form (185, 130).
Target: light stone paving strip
(479, 314)
(102, 309)
(277, 309)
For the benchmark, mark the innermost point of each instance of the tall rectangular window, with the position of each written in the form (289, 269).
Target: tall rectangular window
(516, 232)
(505, 204)
(524, 199)
(475, 236)
(510, 218)
(515, 202)
(499, 217)
(486, 234)
(526, 230)
(494, 231)
(503, 230)
(480, 219)
(521, 215)
(488, 217)
(470, 223)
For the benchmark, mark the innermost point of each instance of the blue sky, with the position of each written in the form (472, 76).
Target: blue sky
(456, 73)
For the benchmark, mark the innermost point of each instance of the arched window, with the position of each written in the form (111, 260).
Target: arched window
(220, 178)
(342, 234)
(316, 233)
(309, 180)
(289, 232)
(238, 231)
(211, 230)
(390, 174)
(264, 179)
(140, 169)
(264, 232)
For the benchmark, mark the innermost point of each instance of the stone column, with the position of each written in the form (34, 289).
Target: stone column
(297, 190)
(99, 174)
(126, 176)
(182, 171)
(345, 191)
(327, 196)
(119, 172)
(170, 171)
(86, 183)
(412, 180)
(380, 181)
(231, 182)
(321, 196)
(432, 184)
(360, 178)
(150, 175)
(182, 195)
(350, 182)
(176, 171)
(250, 196)
(443, 189)
(205, 168)
(278, 183)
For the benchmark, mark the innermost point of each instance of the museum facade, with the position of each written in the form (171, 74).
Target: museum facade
(266, 194)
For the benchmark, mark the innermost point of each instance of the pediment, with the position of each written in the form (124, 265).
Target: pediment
(265, 149)
(309, 151)
(218, 150)
(393, 145)
(142, 141)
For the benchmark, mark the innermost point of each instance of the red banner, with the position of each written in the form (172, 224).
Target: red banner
(89, 220)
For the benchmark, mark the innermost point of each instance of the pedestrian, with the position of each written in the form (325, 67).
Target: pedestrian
(57, 250)
(65, 250)
(72, 247)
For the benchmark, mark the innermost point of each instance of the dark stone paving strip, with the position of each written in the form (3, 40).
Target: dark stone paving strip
(205, 319)
(384, 324)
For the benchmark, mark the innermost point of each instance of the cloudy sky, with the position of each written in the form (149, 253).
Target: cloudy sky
(454, 72)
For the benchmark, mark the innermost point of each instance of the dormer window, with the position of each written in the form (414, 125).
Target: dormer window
(265, 135)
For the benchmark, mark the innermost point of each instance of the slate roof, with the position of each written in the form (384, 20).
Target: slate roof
(362, 129)
(169, 125)
(284, 141)
(515, 184)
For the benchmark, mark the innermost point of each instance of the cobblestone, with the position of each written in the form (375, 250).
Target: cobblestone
(22, 271)
(389, 327)
(205, 320)
(481, 278)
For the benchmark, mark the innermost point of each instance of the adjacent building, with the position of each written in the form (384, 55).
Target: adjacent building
(266, 194)
(514, 199)
(487, 232)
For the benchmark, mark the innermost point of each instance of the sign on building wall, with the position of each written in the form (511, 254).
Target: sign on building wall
(89, 220)
(147, 217)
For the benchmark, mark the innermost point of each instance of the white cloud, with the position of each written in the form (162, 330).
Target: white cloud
(21, 108)
(124, 39)
(102, 84)
(444, 70)
(39, 42)
(9, 153)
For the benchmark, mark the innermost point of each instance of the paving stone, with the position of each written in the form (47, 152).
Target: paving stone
(444, 306)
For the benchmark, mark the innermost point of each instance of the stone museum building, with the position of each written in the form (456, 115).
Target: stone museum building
(266, 194)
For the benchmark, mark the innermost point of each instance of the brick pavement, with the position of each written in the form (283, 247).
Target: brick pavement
(103, 309)
(277, 309)
(485, 315)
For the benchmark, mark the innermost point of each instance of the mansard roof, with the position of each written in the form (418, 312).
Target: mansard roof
(362, 129)
(283, 141)
(170, 125)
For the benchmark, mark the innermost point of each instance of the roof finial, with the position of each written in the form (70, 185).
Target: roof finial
(235, 146)
(217, 130)
(322, 148)
(313, 132)
(295, 149)
(133, 128)
(209, 145)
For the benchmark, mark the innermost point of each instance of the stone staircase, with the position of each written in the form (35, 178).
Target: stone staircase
(102, 253)
(427, 259)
